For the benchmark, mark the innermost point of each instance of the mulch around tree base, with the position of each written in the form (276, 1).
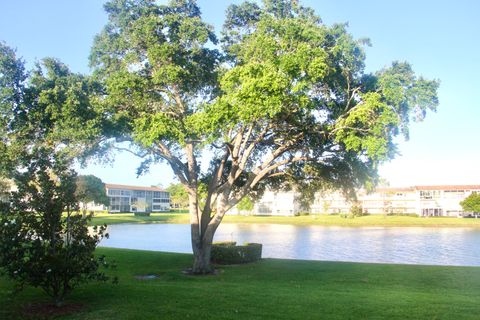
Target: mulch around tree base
(49, 310)
(189, 272)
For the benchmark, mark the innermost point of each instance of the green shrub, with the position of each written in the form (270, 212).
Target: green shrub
(142, 214)
(38, 245)
(229, 253)
(246, 204)
(357, 211)
(303, 213)
(225, 243)
(402, 214)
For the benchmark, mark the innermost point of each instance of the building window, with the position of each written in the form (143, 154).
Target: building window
(139, 193)
(265, 207)
(155, 200)
(429, 194)
(121, 204)
(425, 195)
(114, 192)
(432, 212)
(454, 194)
(160, 194)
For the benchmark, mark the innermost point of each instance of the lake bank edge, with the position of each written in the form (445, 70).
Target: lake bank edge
(320, 220)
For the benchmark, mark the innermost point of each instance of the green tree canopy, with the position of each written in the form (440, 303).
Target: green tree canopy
(282, 99)
(246, 204)
(90, 188)
(48, 106)
(471, 203)
(178, 194)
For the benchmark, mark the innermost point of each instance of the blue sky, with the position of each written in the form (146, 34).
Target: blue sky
(441, 39)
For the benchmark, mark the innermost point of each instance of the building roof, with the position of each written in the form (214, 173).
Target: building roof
(393, 189)
(425, 188)
(127, 187)
(449, 187)
(437, 187)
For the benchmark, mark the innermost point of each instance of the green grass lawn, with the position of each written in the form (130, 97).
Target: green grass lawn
(328, 220)
(102, 218)
(269, 289)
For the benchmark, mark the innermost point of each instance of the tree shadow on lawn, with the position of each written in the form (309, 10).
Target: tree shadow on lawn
(48, 310)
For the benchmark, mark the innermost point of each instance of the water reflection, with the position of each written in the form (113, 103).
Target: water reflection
(440, 246)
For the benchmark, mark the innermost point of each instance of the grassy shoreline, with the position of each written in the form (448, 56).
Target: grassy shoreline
(320, 220)
(269, 289)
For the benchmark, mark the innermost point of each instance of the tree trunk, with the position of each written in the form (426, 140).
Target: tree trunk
(202, 238)
(201, 258)
(202, 247)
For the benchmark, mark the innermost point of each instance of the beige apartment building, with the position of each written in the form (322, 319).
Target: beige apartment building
(440, 200)
(137, 199)
(125, 198)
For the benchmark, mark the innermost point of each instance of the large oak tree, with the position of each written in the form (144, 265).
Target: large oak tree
(281, 99)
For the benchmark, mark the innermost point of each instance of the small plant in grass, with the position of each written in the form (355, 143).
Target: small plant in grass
(357, 211)
(39, 246)
(302, 213)
(402, 214)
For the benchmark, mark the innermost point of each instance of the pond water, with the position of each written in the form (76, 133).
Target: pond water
(431, 246)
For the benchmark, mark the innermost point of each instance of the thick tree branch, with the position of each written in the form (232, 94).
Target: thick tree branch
(247, 151)
(246, 139)
(351, 97)
(178, 99)
(213, 185)
(260, 175)
(137, 154)
(177, 166)
(244, 152)
(350, 128)
(279, 151)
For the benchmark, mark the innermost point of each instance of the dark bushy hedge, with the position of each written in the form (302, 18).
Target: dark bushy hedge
(302, 213)
(403, 214)
(230, 253)
(142, 214)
